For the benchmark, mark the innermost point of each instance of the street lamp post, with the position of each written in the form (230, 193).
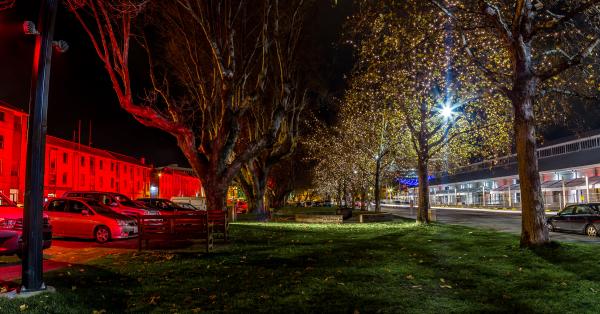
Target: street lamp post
(32, 268)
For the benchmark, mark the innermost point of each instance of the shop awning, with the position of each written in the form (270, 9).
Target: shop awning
(505, 188)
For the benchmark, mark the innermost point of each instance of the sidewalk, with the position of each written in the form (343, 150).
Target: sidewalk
(487, 210)
(63, 254)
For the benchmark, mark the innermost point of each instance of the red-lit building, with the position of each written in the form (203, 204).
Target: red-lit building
(13, 148)
(73, 166)
(173, 181)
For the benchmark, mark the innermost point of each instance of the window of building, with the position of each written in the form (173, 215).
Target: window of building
(82, 161)
(65, 158)
(2, 116)
(91, 163)
(100, 164)
(64, 178)
(112, 166)
(1, 141)
(53, 164)
(112, 183)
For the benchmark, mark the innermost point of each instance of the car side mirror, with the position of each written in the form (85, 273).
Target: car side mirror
(85, 212)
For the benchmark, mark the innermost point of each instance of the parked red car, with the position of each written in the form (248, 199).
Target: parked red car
(241, 207)
(118, 202)
(11, 228)
(88, 219)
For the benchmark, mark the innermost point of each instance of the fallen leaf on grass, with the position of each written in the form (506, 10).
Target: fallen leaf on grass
(99, 311)
(154, 300)
(446, 286)
(410, 277)
(23, 307)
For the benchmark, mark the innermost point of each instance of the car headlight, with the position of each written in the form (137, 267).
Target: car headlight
(7, 223)
(121, 223)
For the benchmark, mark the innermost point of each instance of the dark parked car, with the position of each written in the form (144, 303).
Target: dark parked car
(164, 206)
(11, 228)
(580, 218)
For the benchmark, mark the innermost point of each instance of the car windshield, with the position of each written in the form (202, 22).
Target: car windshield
(5, 202)
(125, 201)
(99, 208)
(595, 208)
(187, 206)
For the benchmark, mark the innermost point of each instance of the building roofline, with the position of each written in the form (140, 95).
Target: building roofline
(57, 141)
(5, 105)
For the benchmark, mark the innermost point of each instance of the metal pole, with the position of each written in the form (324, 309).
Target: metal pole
(509, 197)
(32, 268)
(564, 193)
(587, 189)
(483, 195)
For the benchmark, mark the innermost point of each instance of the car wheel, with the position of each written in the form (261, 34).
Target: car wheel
(551, 227)
(591, 231)
(101, 234)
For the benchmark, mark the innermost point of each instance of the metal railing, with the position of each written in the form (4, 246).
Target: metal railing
(583, 144)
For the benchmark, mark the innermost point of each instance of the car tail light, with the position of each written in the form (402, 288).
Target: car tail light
(11, 224)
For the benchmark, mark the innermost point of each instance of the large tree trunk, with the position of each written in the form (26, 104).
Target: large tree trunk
(533, 225)
(378, 185)
(260, 187)
(363, 199)
(216, 194)
(423, 201)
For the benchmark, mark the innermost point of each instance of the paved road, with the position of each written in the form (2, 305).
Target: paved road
(496, 220)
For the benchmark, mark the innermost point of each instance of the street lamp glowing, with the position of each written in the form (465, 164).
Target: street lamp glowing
(447, 112)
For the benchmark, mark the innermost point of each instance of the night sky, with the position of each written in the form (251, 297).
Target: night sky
(80, 88)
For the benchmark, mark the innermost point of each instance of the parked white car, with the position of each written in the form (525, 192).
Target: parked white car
(198, 202)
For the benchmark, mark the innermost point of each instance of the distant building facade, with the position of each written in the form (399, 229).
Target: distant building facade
(569, 172)
(172, 181)
(74, 166)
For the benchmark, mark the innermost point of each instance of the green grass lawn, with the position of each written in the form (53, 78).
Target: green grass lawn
(394, 267)
(292, 210)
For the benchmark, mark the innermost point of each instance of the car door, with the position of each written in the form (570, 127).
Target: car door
(56, 213)
(80, 225)
(580, 218)
(561, 220)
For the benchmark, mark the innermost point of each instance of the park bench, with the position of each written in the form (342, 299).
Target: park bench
(220, 222)
(175, 227)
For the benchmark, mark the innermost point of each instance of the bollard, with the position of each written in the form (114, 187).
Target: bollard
(432, 214)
